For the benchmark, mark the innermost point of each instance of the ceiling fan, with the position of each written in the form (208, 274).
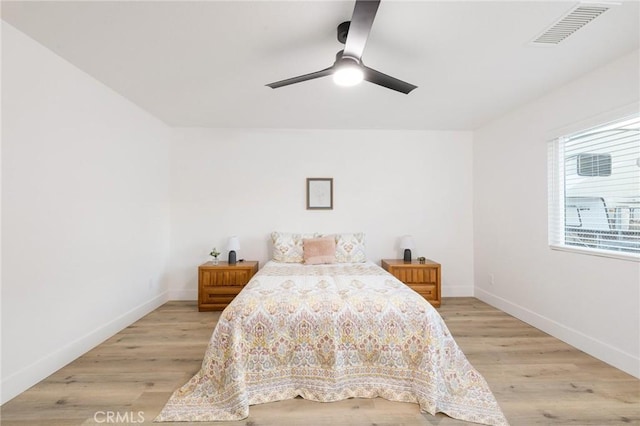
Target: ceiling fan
(348, 68)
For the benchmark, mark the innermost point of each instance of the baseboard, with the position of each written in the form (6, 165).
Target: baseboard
(594, 347)
(22, 380)
(183, 294)
(457, 291)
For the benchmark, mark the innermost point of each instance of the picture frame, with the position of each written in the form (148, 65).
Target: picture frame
(319, 193)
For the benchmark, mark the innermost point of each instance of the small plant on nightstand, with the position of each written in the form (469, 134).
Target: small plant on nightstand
(215, 253)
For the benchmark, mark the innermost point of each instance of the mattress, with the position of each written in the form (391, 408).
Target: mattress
(327, 333)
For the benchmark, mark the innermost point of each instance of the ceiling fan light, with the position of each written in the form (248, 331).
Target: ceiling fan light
(348, 75)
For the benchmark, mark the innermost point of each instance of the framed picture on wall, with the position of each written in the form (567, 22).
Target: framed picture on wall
(319, 193)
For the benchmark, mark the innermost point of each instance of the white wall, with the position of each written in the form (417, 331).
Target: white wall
(590, 302)
(386, 184)
(85, 212)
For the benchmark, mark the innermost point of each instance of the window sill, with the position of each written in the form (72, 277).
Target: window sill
(595, 252)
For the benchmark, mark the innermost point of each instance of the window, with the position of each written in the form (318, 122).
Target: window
(594, 190)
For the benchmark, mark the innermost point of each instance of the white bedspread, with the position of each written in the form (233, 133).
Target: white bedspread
(327, 333)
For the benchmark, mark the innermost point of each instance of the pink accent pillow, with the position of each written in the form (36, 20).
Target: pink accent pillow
(319, 250)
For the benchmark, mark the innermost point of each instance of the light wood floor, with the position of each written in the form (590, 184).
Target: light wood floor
(536, 379)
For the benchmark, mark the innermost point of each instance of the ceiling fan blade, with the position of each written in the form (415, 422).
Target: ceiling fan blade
(364, 13)
(322, 73)
(376, 77)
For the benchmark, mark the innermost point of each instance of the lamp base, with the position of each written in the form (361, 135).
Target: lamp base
(232, 257)
(407, 255)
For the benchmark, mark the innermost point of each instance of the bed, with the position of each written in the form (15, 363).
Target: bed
(328, 332)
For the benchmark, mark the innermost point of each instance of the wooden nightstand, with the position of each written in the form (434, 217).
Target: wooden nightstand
(424, 278)
(219, 284)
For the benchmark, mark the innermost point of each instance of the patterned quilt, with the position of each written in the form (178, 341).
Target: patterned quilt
(327, 333)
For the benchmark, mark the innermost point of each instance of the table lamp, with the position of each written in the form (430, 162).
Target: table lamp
(232, 246)
(406, 243)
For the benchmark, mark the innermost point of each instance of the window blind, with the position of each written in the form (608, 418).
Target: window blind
(594, 189)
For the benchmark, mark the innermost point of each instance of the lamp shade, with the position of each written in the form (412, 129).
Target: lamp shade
(406, 242)
(233, 244)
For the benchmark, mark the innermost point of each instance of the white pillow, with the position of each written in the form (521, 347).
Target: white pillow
(287, 247)
(350, 248)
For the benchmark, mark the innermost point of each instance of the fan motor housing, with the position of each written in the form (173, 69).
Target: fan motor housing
(343, 30)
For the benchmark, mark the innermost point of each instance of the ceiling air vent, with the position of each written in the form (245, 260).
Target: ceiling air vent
(577, 18)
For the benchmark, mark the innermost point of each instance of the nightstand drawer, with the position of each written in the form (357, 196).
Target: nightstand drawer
(224, 298)
(215, 306)
(428, 291)
(416, 275)
(224, 277)
(222, 290)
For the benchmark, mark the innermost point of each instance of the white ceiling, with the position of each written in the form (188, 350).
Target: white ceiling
(206, 63)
